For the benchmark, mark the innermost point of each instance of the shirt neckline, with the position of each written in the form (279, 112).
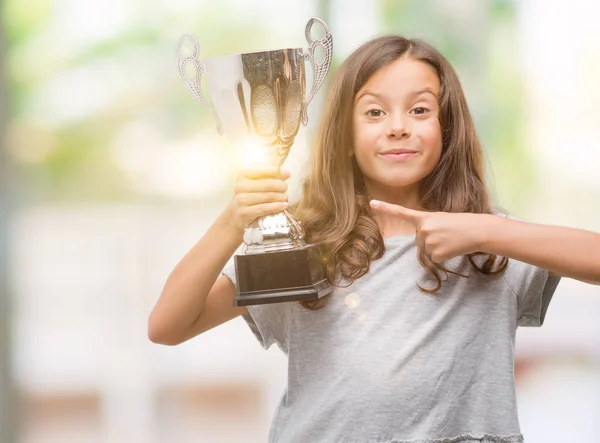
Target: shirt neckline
(399, 239)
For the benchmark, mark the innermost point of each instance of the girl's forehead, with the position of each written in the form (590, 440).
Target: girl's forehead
(404, 75)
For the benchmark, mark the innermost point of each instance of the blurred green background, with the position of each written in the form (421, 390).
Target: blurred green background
(87, 82)
(111, 171)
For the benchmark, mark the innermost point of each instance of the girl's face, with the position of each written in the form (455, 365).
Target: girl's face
(397, 134)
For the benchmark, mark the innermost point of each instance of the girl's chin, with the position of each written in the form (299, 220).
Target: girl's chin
(401, 180)
(389, 182)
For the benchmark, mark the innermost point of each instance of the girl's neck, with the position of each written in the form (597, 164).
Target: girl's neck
(407, 197)
(394, 227)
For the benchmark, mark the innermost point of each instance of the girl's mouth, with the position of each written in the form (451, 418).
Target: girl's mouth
(398, 155)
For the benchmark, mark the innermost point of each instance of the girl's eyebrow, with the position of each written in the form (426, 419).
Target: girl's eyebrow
(412, 94)
(423, 91)
(364, 93)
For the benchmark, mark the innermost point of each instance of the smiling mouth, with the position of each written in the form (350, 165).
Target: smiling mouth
(398, 154)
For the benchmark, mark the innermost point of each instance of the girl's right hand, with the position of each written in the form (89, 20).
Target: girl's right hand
(258, 192)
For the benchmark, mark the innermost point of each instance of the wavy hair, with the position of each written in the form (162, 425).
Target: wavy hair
(334, 207)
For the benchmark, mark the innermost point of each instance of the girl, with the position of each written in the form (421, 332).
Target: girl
(416, 342)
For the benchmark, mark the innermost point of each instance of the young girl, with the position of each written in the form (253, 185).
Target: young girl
(416, 342)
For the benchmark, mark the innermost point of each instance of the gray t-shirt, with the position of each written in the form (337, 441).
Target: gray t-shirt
(385, 362)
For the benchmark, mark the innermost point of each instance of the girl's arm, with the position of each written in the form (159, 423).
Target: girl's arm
(192, 292)
(194, 298)
(566, 252)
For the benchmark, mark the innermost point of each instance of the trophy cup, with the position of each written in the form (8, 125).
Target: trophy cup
(262, 96)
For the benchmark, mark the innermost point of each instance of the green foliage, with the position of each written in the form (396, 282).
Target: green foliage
(81, 163)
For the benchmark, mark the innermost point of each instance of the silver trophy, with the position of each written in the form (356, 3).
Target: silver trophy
(262, 96)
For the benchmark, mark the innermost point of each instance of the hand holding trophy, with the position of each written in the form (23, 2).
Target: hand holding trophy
(260, 98)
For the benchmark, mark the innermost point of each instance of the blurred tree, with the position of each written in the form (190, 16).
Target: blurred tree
(71, 101)
(8, 409)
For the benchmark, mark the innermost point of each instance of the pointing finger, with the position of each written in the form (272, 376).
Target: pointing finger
(407, 214)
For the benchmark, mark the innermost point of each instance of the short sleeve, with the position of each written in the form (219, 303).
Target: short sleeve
(269, 322)
(534, 288)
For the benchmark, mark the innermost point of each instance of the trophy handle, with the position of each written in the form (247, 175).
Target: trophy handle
(319, 69)
(194, 85)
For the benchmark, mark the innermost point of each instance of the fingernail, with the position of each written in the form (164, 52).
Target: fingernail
(374, 203)
(285, 204)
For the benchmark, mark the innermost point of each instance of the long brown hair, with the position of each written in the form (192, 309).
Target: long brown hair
(334, 207)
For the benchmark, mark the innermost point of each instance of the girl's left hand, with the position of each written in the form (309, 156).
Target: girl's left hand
(443, 235)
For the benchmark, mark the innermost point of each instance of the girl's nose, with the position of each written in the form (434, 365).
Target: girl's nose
(398, 126)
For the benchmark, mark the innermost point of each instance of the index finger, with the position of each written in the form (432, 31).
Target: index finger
(407, 214)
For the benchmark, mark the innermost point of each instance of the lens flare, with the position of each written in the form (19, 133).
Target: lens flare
(254, 152)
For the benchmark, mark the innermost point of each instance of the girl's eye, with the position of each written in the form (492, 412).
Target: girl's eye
(375, 113)
(420, 111)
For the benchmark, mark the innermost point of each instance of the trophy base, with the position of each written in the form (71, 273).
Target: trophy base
(281, 276)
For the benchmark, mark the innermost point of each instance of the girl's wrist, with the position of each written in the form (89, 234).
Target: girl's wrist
(489, 230)
(227, 222)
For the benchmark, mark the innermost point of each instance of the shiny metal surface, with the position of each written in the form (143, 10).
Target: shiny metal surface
(260, 96)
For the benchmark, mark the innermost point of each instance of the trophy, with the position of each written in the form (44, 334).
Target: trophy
(261, 96)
